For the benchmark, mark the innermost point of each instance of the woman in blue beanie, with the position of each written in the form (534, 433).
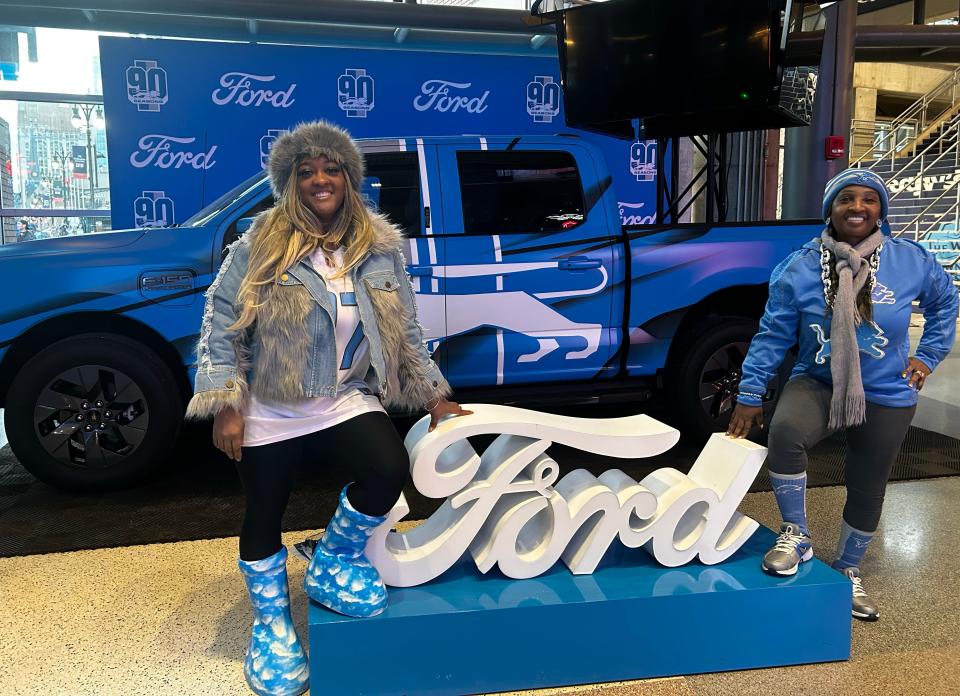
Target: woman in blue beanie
(846, 298)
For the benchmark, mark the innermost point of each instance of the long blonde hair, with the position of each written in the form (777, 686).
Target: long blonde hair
(290, 232)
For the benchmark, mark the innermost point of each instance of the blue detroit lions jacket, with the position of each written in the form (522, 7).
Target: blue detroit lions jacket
(796, 312)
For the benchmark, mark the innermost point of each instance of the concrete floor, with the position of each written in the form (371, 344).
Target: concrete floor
(173, 618)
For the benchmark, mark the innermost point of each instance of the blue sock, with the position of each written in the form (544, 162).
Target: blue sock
(853, 545)
(791, 493)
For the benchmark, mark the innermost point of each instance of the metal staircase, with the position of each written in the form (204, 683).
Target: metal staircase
(918, 155)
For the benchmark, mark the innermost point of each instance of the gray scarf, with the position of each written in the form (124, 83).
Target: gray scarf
(848, 405)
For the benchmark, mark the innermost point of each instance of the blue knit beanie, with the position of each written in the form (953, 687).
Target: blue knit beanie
(855, 177)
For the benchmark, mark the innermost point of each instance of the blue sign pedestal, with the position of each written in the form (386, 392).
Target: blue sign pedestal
(469, 633)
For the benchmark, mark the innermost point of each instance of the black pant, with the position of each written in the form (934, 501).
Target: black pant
(367, 445)
(800, 422)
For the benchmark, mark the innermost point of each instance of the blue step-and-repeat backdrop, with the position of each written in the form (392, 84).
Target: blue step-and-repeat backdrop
(191, 119)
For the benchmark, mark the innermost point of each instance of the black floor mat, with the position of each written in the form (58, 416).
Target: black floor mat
(201, 498)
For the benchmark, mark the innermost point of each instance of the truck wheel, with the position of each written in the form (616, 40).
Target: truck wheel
(703, 384)
(93, 412)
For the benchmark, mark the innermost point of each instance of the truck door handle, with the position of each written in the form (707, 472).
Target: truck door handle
(578, 263)
(420, 271)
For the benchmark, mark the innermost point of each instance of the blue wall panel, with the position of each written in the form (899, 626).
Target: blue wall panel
(189, 119)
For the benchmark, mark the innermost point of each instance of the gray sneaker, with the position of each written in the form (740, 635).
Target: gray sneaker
(793, 547)
(863, 607)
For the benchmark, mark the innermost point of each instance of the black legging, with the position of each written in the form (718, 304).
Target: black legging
(367, 445)
(800, 422)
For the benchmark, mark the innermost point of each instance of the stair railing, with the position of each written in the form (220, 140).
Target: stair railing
(925, 163)
(919, 113)
(915, 223)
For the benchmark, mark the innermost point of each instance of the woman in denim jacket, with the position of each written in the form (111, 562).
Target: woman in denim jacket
(309, 330)
(847, 298)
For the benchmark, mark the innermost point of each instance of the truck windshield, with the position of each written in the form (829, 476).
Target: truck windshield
(237, 192)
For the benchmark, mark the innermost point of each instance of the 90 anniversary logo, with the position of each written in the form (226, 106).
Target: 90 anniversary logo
(355, 95)
(266, 144)
(543, 99)
(643, 160)
(153, 209)
(147, 85)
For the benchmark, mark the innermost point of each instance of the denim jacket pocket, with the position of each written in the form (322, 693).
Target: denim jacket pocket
(382, 281)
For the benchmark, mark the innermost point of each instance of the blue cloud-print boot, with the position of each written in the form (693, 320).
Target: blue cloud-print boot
(340, 577)
(276, 664)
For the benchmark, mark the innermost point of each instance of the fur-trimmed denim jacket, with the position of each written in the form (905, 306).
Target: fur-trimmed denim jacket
(290, 352)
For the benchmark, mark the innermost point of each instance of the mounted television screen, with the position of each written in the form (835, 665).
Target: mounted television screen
(682, 66)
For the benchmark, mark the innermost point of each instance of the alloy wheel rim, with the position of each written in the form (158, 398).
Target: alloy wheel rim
(720, 382)
(91, 417)
(720, 379)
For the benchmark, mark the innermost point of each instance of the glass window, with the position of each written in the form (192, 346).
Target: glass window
(519, 191)
(884, 138)
(205, 214)
(64, 61)
(392, 187)
(57, 156)
(54, 172)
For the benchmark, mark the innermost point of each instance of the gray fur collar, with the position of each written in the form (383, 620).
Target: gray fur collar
(387, 236)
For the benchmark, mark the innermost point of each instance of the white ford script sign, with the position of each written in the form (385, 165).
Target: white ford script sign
(510, 508)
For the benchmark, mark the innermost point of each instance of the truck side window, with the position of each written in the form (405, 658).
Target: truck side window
(242, 224)
(392, 187)
(519, 191)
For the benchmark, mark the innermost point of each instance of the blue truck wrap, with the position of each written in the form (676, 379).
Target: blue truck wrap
(527, 286)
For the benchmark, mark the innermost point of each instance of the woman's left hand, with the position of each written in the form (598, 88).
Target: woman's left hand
(916, 373)
(445, 408)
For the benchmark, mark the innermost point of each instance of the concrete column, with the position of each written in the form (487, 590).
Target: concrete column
(698, 211)
(686, 173)
(864, 116)
(806, 169)
(865, 104)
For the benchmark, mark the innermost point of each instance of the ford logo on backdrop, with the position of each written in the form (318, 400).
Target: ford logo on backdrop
(355, 92)
(543, 99)
(158, 150)
(245, 89)
(153, 209)
(147, 85)
(436, 95)
(266, 144)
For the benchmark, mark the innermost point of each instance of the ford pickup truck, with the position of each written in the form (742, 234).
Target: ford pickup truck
(528, 288)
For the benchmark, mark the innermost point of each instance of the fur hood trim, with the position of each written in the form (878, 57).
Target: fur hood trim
(387, 236)
(309, 140)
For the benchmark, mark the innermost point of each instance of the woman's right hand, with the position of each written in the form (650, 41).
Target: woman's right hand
(743, 419)
(228, 433)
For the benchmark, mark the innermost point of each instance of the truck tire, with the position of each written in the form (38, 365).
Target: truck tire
(93, 412)
(703, 382)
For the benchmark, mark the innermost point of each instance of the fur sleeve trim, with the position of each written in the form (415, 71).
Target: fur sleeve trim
(208, 404)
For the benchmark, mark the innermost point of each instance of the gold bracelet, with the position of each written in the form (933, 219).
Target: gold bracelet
(430, 408)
